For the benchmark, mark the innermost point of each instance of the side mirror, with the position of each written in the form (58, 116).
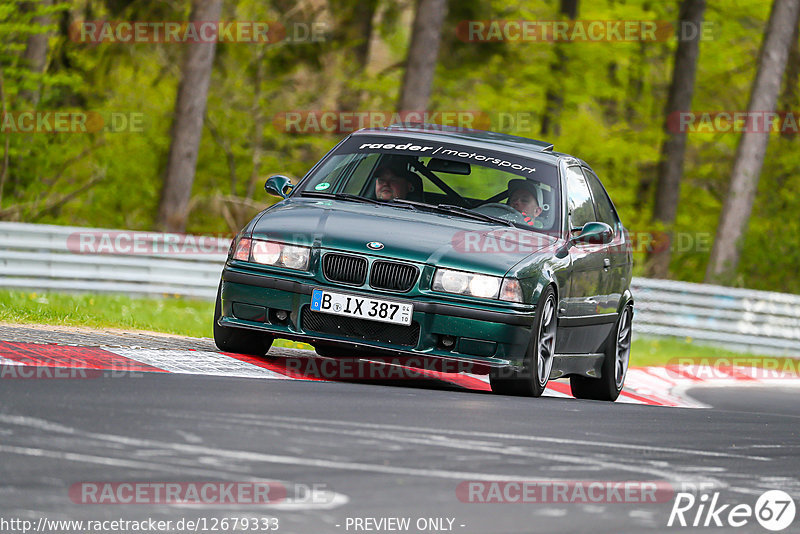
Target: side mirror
(278, 185)
(596, 233)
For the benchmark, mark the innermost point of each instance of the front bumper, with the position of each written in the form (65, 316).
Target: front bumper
(486, 337)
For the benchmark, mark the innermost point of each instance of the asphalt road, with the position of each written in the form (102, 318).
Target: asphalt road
(380, 451)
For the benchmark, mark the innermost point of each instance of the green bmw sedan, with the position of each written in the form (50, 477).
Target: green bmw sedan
(468, 250)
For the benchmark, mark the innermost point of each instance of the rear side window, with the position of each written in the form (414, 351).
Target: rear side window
(581, 210)
(605, 210)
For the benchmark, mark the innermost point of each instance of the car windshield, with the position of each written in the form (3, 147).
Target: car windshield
(445, 178)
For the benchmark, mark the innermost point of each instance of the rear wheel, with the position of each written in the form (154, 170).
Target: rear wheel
(238, 340)
(531, 381)
(615, 364)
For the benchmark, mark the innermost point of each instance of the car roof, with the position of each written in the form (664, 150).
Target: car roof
(540, 150)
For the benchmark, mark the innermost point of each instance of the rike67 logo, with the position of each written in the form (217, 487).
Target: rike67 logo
(774, 510)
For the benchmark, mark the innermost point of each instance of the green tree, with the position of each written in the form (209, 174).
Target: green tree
(670, 167)
(753, 144)
(187, 125)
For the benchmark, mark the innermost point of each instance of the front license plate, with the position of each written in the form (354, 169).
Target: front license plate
(385, 311)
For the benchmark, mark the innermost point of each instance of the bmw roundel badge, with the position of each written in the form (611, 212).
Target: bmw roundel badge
(375, 245)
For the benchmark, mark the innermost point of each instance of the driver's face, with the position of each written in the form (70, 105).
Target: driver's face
(524, 201)
(388, 186)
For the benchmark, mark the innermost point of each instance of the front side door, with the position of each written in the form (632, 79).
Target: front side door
(616, 258)
(578, 312)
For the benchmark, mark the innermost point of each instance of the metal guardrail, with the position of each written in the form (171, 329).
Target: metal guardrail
(60, 258)
(43, 257)
(745, 320)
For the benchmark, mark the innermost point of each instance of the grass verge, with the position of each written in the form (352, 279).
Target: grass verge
(662, 351)
(193, 318)
(185, 317)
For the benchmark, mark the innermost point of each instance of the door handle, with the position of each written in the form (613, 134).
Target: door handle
(606, 264)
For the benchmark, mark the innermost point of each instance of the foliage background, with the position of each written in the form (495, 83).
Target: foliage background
(614, 97)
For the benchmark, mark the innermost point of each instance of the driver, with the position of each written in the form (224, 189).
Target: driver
(391, 184)
(522, 197)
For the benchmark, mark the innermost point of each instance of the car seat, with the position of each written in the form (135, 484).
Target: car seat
(545, 196)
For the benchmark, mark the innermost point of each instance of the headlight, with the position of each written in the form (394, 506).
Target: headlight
(273, 253)
(295, 257)
(477, 285)
(452, 281)
(484, 286)
(266, 252)
(464, 283)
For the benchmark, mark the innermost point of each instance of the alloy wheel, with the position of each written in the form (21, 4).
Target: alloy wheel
(547, 340)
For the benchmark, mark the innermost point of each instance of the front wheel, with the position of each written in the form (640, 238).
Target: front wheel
(238, 340)
(538, 362)
(615, 364)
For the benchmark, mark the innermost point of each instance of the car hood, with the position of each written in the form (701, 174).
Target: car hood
(418, 236)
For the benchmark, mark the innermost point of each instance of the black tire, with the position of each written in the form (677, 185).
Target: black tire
(238, 340)
(531, 381)
(615, 364)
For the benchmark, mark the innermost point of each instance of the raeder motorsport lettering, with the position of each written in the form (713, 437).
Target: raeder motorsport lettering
(441, 150)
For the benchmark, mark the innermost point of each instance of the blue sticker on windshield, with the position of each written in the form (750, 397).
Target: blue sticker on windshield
(322, 186)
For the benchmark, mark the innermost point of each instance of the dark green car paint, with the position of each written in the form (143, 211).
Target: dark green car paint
(591, 280)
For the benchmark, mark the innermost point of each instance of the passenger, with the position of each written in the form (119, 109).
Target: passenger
(522, 197)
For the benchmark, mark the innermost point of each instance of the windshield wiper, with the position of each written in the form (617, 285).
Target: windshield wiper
(344, 196)
(473, 214)
(409, 203)
(450, 208)
(339, 196)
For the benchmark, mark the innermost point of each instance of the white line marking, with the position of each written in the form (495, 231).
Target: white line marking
(328, 500)
(496, 435)
(495, 448)
(196, 362)
(86, 458)
(302, 461)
